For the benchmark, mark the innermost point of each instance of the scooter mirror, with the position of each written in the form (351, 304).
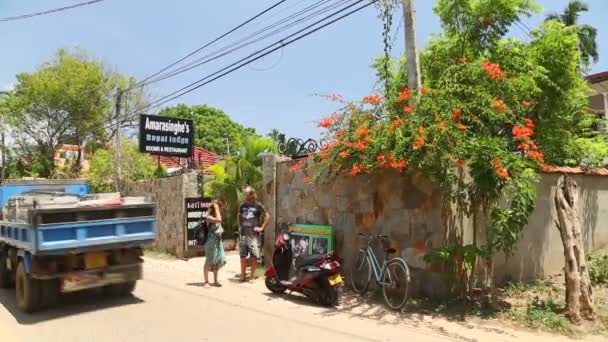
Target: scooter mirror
(286, 237)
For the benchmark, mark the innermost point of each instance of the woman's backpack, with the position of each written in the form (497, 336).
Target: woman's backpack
(201, 232)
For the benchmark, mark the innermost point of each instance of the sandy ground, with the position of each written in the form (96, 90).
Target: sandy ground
(170, 304)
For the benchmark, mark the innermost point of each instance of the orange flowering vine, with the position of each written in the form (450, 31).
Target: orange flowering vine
(404, 95)
(493, 70)
(357, 169)
(418, 143)
(362, 131)
(500, 170)
(456, 112)
(397, 123)
(330, 120)
(344, 154)
(407, 109)
(373, 100)
(499, 106)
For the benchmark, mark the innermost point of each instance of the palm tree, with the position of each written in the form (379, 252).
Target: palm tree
(234, 173)
(587, 34)
(274, 134)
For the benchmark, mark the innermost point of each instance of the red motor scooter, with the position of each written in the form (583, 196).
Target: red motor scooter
(316, 276)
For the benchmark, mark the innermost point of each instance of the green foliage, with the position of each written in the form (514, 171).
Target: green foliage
(598, 267)
(589, 152)
(134, 166)
(233, 174)
(211, 127)
(67, 100)
(587, 35)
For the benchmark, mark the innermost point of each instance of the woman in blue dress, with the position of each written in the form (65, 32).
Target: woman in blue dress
(214, 247)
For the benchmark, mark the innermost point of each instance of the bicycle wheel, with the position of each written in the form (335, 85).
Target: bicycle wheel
(395, 283)
(361, 273)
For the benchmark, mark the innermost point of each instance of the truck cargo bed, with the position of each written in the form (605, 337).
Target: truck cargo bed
(74, 230)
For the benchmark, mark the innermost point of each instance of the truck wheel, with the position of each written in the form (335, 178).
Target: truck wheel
(49, 292)
(27, 290)
(6, 280)
(128, 288)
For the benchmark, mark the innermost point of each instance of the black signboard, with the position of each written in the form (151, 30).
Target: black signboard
(196, 210)
(161, 135)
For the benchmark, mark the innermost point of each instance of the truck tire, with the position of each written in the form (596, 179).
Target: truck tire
(27, 290)
(49, 291)
(6, 277)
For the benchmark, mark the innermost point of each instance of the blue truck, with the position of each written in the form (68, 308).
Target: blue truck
(55, 238)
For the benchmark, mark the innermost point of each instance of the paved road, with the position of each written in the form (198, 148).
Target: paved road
(170, 305)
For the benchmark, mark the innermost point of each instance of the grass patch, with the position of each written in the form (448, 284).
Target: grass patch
(544, 315)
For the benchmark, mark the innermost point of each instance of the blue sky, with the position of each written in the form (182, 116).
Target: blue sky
(139, 37)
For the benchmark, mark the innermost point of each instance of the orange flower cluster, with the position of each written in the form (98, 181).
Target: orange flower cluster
(528, 147)
(407, 109)
(456, 112)
(462, 127)
(526, 103)
(418, 143)
(424, 90)
(296, 167)
(521, 133)
(373, 100)
(499, 106)
(441, 124)
(357, 169)
(344, 154)
(330, 120)
(388, 161)
(493, 70)
(397, 123)
(404, 95)
(362, 131)
(500, 170)
(326, 150)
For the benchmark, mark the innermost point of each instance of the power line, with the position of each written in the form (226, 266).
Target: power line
(25, 16)
(214, 55)
(212, 42)
(243, 62)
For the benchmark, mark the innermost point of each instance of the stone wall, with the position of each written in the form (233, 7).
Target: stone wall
(169, 194)
(406, 207)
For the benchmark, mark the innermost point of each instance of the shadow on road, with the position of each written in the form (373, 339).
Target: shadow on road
(70, 304)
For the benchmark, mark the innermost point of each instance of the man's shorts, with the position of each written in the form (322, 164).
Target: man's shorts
(249, 245)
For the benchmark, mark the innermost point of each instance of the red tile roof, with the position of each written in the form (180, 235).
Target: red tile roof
(575, 170)
(200, 157)
(599, 77)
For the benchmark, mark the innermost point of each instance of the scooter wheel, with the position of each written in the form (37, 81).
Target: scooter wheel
(329, 296)
(272, 283)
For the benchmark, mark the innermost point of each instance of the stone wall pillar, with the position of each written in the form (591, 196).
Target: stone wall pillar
(269, 199)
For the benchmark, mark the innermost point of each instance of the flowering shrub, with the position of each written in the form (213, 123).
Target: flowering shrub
(488, 106)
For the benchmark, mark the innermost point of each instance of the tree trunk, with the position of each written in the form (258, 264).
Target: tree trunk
(579, 302)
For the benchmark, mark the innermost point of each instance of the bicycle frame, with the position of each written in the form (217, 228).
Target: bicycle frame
(378, 270)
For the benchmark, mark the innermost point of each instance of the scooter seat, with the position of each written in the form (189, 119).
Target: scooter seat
(308, 260)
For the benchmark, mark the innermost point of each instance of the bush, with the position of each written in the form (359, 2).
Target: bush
(598, 268)
(589, 152)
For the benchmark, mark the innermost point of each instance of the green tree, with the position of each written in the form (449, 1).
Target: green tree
(134, 166)
(67, 100)
(211, 127)
(274, 134)
(235, 173)
(587, 34)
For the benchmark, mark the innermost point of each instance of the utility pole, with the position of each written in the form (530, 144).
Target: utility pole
(3, 145)
(118, 105)
(411, 48)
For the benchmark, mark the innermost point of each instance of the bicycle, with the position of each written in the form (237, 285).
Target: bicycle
(393, 276)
